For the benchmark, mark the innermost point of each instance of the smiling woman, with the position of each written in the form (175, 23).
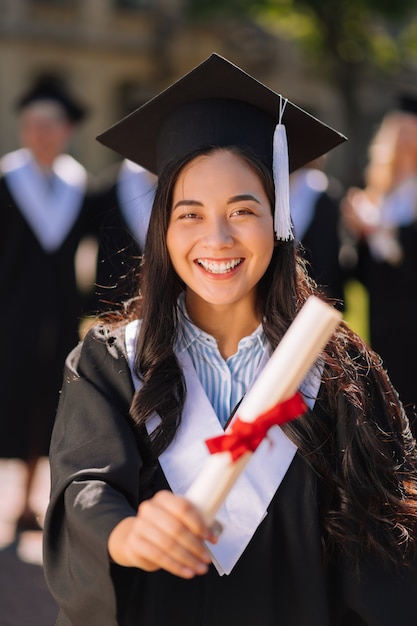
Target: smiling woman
(324, 532)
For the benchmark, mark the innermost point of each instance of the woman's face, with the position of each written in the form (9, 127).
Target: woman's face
(45, 130)
(220, 236)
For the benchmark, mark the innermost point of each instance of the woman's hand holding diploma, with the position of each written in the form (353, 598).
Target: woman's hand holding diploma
(167, 533)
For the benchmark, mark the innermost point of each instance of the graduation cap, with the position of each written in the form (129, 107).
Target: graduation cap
(50, 89)
(218, 104)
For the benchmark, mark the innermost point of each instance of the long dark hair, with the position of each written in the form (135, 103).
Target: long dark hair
(361, 450)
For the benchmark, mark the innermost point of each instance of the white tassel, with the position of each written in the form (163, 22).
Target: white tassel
(280, 170)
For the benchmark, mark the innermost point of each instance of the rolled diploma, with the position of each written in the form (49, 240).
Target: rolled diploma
(279, 380)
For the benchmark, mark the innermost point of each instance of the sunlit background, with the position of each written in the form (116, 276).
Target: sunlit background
(345, 60)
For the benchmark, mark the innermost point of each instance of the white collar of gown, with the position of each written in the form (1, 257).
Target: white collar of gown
(246, 505)
(50, 209)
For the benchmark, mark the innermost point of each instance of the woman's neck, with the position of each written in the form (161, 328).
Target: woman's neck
(227, 324)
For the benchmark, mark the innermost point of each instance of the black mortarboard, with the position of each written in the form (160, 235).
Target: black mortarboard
(217, 104)
(51, 89)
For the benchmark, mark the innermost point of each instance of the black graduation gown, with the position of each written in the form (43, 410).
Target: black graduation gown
(321, 244)
(118, 254)
(119, 251)
(40, 311)
(393, 315)
(97, 472)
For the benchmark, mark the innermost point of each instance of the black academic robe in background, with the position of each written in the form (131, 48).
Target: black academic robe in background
(100, 474)
(118, 255)
(321, 246)
(123, 204)
(392, 293)
(315, 209)
(41, 307)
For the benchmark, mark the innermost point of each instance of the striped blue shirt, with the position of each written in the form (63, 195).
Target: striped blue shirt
(224, 381)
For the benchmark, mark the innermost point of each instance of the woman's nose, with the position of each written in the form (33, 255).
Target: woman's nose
(218, 233)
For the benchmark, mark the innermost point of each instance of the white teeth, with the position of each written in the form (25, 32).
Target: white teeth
(218, 268)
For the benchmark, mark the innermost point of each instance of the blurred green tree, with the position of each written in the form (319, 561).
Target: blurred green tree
(349, 41)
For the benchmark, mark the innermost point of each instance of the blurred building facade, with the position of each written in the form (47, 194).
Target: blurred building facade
(115, 54)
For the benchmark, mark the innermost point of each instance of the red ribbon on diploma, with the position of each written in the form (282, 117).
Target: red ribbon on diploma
(246, 436)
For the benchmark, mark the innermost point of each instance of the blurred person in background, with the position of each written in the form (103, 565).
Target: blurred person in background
(44, 199)
(124, 202)
(315, 199)
(381, 220)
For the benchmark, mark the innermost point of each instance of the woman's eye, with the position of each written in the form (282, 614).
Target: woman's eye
(188, 216)
(243, 211)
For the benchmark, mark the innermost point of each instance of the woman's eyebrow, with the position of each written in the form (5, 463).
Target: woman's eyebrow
(185, 202)
(242, 197)
(232, 200)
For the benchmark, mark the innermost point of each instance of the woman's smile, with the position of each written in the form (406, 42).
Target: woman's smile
(219, 266)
